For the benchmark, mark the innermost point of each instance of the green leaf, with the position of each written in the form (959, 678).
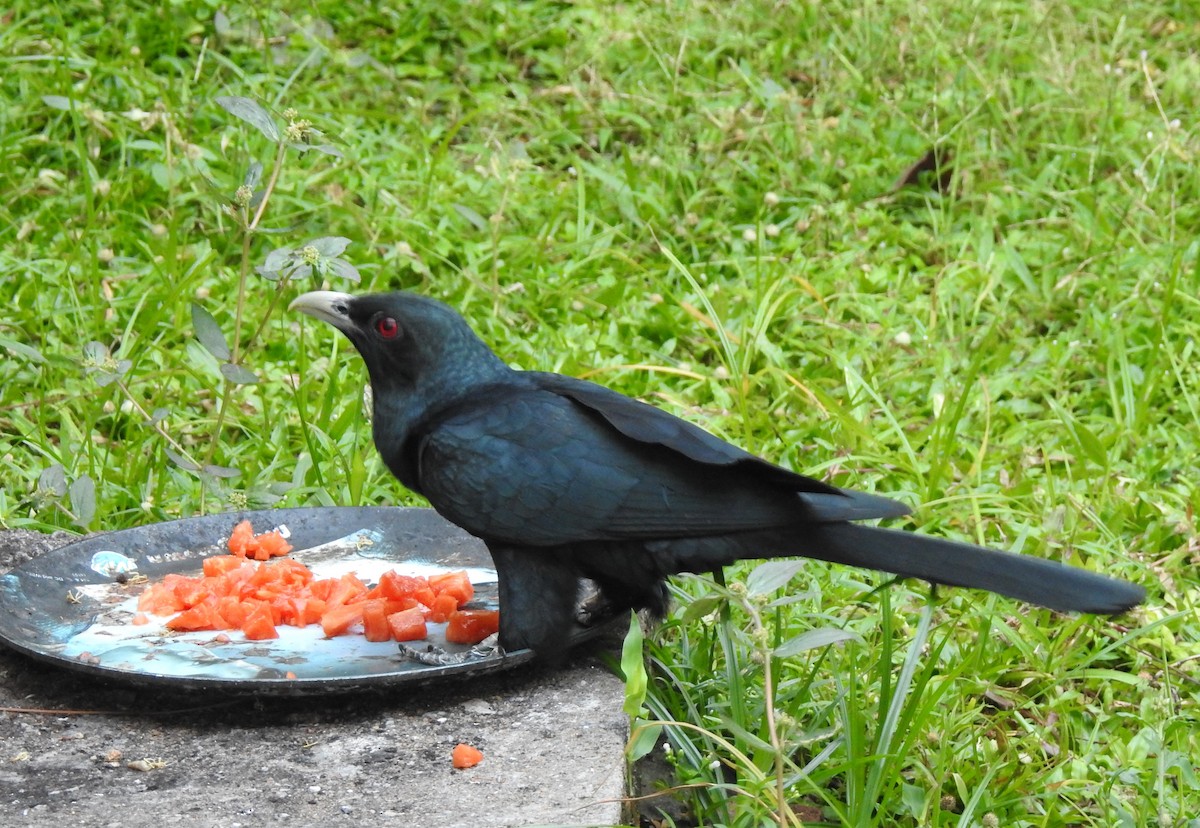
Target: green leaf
(253, 175)
(83, 499)
(58, 102)
(344, 270)
(209, 333)
(642, 740)
(325, 149)
(741, 732)
(1091, 445)
(770, 576)
(278, 259)
(812, 639)
(238, 374)
(330, 246)
(477, 221)
(913, 797)
(252, 112)
(220, 471)
(179, 460)
(21, 349)
(633, 666)
(53, 480)
(701, 607)
(95, 353)
(1018, 266)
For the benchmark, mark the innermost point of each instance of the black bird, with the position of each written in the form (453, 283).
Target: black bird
(564, 479)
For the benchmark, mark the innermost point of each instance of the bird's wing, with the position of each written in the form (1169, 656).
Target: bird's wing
(646, 424)
(522, 463)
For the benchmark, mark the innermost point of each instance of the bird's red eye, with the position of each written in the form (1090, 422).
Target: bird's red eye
(387, 327)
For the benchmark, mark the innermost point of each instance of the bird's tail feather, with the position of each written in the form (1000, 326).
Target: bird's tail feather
(1024, 577)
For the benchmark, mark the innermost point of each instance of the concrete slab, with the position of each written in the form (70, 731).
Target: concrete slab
(77, 752)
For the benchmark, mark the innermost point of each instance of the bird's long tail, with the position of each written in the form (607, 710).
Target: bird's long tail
(1024, 577)
(1035, 580)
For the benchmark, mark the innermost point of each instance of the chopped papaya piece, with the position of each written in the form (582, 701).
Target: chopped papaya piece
(346, 590)
(259, 624)
(442, 606)
(245, 544)
(472, 626)
(457, 584)
(465, 756)
(273, 545)
(407, 625)
(339, 618)
(240, 538)
(232, 611)
(203, 616)
(234, 592)
(397, 587)
(374, 618)
(218, 565)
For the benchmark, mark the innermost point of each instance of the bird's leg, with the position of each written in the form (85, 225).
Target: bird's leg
(538, 590)
(614, 597)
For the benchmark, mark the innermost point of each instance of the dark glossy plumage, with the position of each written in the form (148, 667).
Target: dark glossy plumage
(566, 479)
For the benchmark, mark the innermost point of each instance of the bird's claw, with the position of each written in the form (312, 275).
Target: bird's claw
(435, 656)
(594, 609)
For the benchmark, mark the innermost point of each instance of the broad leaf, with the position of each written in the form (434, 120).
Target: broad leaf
(179, 460)
(253, 175)
(330, 246)
(344, 270)
(643, 739)
(701, 607)
(812, 639)
(95, 353)
(325, 149)
(252, 112)
(53, 479)
(277, 260)
(209, 333)
(238, 374)
(770, 576)
(83, 499)
(633, 666)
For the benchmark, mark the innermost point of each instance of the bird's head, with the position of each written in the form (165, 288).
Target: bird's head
(410, 343)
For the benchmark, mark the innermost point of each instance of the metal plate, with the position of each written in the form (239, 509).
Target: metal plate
(73, 606)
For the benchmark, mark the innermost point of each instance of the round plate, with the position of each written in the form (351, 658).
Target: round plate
(73, 606)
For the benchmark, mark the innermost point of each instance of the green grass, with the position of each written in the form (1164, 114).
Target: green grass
(692, 203)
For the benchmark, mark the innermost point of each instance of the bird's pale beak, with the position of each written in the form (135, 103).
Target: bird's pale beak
(326, 305)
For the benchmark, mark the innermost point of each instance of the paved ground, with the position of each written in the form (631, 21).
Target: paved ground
(116, 756)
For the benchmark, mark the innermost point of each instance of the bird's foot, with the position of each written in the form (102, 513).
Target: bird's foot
(594, 609)
(436, 656)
